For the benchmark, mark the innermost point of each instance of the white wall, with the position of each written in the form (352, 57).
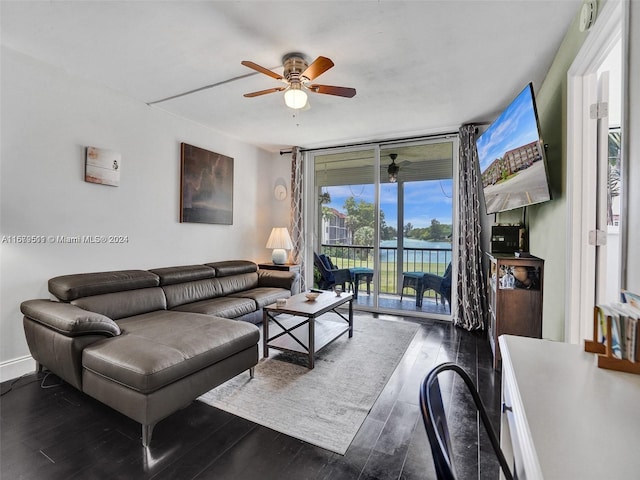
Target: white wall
(48, 118)
(633, 153)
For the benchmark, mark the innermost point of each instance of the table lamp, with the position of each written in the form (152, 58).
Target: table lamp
(280, 241)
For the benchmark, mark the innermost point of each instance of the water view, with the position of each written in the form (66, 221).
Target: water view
(414, 251)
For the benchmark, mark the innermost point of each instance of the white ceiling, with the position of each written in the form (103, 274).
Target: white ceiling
(419, 67)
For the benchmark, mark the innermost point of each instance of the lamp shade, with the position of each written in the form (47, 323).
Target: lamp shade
(295, 97)
(280, 241)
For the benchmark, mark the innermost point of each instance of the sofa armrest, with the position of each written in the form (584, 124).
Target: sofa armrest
(279, 279)
(68, 319)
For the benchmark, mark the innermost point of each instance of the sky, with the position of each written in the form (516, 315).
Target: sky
(426, 200)
(423, 201)
(516, 126)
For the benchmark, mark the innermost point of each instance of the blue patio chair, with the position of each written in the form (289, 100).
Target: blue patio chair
(330, 275)
(440, 285)
(421, 282)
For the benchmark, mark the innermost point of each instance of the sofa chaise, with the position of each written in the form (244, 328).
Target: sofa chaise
(147, 343)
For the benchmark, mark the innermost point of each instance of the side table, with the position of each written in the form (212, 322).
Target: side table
(360, 274)
(289, 267)
(413, 280)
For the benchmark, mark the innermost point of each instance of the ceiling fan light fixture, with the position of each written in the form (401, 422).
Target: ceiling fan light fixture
(393, 168)
(295, 97)
(297, 74)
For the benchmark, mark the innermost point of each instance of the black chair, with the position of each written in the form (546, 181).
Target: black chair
(330, 275)
(435, 421)
(440, 285)
(421, 282)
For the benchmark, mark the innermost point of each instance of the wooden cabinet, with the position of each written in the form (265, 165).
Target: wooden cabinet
(514, 288)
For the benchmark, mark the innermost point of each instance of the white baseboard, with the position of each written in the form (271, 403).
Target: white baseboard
(16, 367)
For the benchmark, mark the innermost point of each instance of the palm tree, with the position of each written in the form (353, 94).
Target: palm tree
(613, 172)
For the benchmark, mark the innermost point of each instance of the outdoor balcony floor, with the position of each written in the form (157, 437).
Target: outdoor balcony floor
(407, 305)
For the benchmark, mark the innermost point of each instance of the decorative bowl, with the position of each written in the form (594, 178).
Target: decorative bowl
(311, 296)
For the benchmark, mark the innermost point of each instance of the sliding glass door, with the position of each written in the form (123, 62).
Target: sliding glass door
(385, 212)
(346, 226)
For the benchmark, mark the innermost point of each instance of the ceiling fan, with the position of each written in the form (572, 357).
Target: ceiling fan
(297, 78)
(393, 168)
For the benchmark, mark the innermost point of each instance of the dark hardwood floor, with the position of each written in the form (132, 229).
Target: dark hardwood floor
(60, 433)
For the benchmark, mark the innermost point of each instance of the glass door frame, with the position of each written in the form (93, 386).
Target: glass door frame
(311, 213)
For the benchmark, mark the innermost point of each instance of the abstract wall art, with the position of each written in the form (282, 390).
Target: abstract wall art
(206, 186)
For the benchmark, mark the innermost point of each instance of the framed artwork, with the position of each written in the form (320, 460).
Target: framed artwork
(206, 186)
(102, 166)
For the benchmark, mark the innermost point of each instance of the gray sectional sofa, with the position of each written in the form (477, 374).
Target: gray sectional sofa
(147, 343)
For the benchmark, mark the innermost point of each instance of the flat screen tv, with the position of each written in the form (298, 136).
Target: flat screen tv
(512, 157)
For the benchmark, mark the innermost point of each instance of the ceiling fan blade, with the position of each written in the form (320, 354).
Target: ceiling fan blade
(317, 68)
(331, 90)
(264, 92)
(261, 69)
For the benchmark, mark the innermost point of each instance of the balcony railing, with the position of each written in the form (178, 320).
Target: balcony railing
(416, 259)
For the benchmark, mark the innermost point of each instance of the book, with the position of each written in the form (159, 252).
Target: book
(624, 316)
(631, 298)
(634, 340)
(636, 347)
(629, 338)
(616, 346)
(618, 325)
(632, 325)
(601, 336)
(624, 320)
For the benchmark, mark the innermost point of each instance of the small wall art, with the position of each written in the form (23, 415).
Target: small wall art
(102, 166)
(206, 186)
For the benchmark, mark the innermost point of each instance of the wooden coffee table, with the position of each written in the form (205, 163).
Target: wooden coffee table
(305, 331)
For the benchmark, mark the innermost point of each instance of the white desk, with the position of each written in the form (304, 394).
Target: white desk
(569, 419)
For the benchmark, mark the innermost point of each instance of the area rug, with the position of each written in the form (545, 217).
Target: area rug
(327, 405)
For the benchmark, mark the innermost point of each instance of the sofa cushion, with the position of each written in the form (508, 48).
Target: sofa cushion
(227, 307)
(238, 283)
(70, 287)
(124, 304)
(69, 320)
(233, 267)
(187, 273)
(263, 295)
(326, 261)
(190, 292)
(159, 348)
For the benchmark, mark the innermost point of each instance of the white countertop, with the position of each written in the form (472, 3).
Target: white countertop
(573, 419)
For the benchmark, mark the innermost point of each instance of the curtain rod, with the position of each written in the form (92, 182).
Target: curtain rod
(372, 142)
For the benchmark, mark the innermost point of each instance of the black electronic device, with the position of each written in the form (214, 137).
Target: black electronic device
(508, 239)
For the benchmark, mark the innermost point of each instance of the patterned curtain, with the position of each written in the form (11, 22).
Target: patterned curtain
(471, 303)
(297, 213)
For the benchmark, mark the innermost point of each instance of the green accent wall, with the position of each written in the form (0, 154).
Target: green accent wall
(548, 221)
